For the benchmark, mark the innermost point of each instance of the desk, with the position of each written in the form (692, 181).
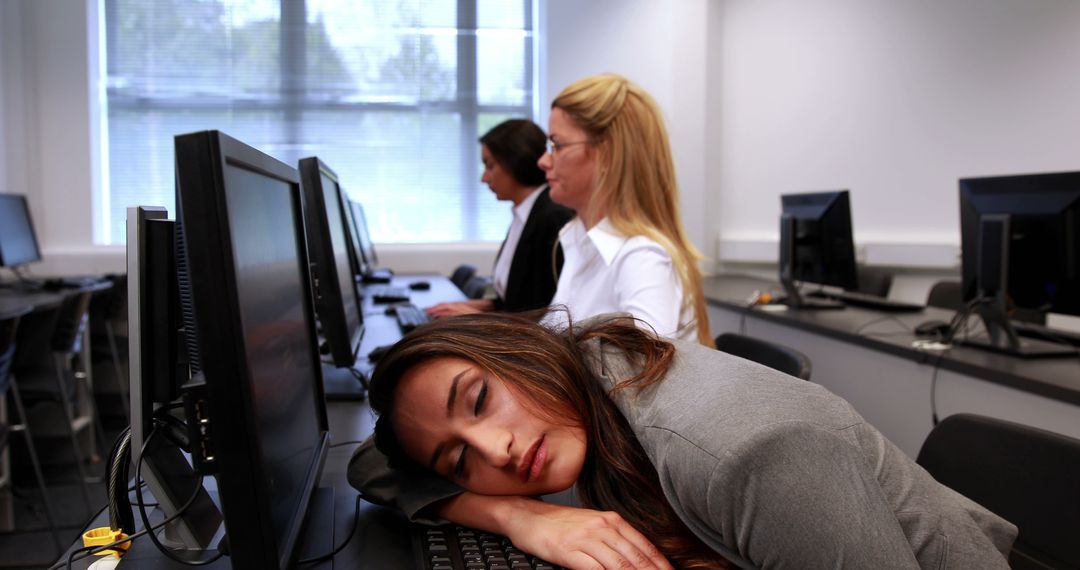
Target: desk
(382, 536)
(866, 357)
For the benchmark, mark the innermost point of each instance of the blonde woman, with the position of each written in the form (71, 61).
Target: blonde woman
(610, 161)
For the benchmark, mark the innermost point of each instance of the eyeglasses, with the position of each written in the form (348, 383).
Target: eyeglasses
(554, 147)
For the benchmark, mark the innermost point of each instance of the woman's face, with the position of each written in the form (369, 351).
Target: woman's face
(466, 425)
(497, 177)
(570, 167)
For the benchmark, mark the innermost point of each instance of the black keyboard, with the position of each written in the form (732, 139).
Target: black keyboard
(409, 316)
(387, 293)
(454, 547)
(867, 301)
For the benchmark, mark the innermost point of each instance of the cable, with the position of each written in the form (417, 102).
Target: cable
(355, 441)
(92, 550)
(146, 520)
(340, 547)
(859, 329)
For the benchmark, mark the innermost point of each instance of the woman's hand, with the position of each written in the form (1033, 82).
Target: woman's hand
(461, 308)
(579, 539)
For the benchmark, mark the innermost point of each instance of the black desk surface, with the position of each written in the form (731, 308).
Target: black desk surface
(892, 333)
(382, 536)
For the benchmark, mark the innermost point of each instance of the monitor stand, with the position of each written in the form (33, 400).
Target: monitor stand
(794, 299)
(341, 384)
(1001, 337)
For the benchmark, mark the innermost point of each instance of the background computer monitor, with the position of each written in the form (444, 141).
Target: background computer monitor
(365, 247)
(816, 244)
(1020, 242)
(157, 371)
(336, 303)
(242, 234)
(18, 242)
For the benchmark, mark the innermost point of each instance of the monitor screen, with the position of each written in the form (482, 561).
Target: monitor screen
(821, 249)
(367, 248)
(1036, 263)
(336, 301)
(18, 243)
(243, 237)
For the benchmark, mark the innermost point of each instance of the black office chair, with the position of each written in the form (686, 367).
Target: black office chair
(782, 358)
(476, 287)
(949, 295)
(9, 323)
(108, 331)
(946, 295)
(874, 280)
(1029, 476)
(50, 381)
(462, 274)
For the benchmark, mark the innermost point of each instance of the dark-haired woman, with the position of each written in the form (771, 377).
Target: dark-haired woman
(527, 266)
(703, 459)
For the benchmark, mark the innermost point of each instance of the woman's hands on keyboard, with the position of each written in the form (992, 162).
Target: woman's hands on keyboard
(571, 537)
(461, 308)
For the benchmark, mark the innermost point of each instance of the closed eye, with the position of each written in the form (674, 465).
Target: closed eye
(481, 397)
(459, 467)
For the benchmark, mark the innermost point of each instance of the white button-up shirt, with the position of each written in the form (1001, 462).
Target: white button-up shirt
(501, 273)
(605, 272)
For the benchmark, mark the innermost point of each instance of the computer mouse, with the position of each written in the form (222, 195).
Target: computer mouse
(933, 328)
(391, 310)
(420, 285)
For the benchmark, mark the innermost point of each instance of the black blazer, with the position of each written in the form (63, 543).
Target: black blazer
(531, 283)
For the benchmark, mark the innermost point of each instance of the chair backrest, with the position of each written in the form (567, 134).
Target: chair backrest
(777, 356)
(946, 295)
(70, 319)
(874, 281)
(475, 287)
(9, 325)
(1029, 476)
(949, 295)
(462, 274)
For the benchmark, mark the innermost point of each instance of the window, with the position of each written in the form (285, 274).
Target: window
(393, 95)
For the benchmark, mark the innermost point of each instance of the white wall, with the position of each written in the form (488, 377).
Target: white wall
(893, 100)
(661, 46)
(50, 108)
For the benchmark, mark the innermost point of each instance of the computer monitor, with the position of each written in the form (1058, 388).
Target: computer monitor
(365, 248)
(336, 302)
(157, 371)
(259, 412)
(816, 245)
(18, 242)
(1020, 243)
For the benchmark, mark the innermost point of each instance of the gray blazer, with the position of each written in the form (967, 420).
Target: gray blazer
(769, 470)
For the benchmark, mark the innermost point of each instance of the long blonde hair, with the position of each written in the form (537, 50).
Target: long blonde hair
(634, 184)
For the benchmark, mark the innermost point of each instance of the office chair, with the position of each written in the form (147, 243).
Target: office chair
(462, 275)
(9, 324)
(874, 280)
(50, 380)
(475, 287)
(1029, 476)
(776, 356)
(108, 325)
(946, 295)
(949, 295)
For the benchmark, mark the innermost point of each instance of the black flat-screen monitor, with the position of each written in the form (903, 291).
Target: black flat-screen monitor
(1020, 243)
(816, 244)
(157, 371)
(364, 248)
(18, 242)
(336, 302)
(261, 407)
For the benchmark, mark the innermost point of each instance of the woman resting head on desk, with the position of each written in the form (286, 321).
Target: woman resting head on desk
(609, 160)
(527, 266)
(682, 455)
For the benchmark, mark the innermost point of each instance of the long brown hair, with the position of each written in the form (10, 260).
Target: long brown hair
(550, 373)
(635, 184)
